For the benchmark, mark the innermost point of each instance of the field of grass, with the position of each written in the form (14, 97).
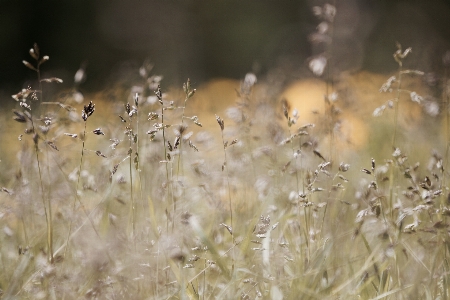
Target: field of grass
(142, 201)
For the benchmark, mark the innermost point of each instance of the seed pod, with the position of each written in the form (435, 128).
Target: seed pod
(88, 111)
(221, 122)
(98, 131)
(366, 171)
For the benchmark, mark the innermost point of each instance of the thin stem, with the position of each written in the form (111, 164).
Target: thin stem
(446, 105)
(330, 88)
(76, 189)
(204, 279)
(393, 174)
(47, 208)
(138, 159)
(47, 203)
(228, 183)
(181, 136)
(229, 200)
(164, 140)
(24, 231)
(78, 199)
(165, 158)
(396, 105)
(133, 203)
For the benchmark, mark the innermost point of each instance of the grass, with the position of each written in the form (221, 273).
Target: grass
(142, 206)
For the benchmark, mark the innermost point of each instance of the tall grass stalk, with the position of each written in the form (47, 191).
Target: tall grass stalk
(133, 139)
(188, 94)
(330, 77)
(168, 185)
(399, 55)
(46, 201)
(178, 143)
(49, 214)
(137, 158)
(225, 166)
(133, 200)
(323, 63)
(166, 159)
(446, 107)
(85, 114)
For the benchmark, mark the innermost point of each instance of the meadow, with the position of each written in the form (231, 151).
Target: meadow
(230, 190)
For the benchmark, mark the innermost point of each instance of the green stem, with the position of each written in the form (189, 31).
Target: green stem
(79, 200)
(230, 204)
(133, 204)
(47, 208)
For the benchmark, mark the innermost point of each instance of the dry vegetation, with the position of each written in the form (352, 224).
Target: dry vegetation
(132, 199)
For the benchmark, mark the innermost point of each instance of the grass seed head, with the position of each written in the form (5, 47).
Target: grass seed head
(87, 111)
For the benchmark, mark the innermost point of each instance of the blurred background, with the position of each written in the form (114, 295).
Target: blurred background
(204, 39)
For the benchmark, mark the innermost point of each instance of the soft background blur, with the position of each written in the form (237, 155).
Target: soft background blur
(203, 39)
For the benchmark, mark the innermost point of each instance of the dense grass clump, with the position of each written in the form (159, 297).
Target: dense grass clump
(146, 200)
